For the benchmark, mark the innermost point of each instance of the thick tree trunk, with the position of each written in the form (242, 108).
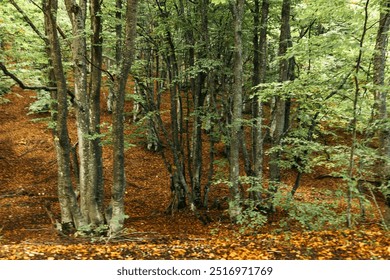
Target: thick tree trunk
(88, 203)
(379, 65)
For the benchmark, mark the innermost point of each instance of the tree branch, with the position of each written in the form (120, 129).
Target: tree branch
(21, 84)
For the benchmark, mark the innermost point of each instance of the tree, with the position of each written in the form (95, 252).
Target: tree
(234, 156)
(280, 104)
(379, 67)
(87, 103)
(70, 212)
(119, 182)
(259, 76)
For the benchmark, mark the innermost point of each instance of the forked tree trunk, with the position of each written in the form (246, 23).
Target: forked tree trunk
(199, 98)
(86, 148)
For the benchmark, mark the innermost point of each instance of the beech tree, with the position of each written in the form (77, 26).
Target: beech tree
(380, 92)
(87, 107)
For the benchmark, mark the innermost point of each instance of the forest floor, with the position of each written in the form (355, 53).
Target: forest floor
(29, 207)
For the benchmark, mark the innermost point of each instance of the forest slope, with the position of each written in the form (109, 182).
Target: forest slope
(29, 208)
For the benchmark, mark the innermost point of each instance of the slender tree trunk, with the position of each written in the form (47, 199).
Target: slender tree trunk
(70, 212)
(96, 153)
(119, 182)
(179, 186)
(238, 13)
(199, 98)
(278, 121)
(118, 51)
(259, 73)
(352, 184)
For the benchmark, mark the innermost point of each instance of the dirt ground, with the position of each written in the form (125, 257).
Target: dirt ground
(29, 205)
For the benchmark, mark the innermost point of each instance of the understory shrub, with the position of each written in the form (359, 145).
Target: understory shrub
(319, 214)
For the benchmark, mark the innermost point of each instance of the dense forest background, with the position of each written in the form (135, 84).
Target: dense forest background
(240, 100)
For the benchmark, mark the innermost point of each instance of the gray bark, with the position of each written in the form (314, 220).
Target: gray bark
(70, 212)
(119, 182)
(234, 170)
(88, 204)
(96, 160)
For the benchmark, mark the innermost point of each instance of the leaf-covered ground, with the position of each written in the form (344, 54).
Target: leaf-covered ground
(29, 207)
(324, 245)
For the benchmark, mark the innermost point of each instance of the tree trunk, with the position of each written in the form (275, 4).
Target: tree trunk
(199, 98)
(119, 182)
(118, 51)
(259, 73)
(96, 160)
(278, 119)
(88, 202)
(379, 66)
(234, 171)
(70, 212)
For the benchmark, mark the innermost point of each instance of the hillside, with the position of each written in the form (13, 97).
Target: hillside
(29, 210)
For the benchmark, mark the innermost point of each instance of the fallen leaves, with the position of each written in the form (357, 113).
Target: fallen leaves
(319, 245)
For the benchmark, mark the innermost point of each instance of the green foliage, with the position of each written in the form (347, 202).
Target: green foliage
(20, 45)
(251, 218)
(5, 86)
(320, 214)
(42, 103)
(4, 100)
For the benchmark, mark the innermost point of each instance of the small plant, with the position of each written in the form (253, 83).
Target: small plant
(251, 218)
(42, 103)
(317, 215)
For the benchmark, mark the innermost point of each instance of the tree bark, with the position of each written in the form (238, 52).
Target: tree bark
(96, 160)
(119, 182)
(234, 170)
(259, 74)
(70, 212)
(278, 120)
(88, 203)
(379, 65)
(199, 98)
